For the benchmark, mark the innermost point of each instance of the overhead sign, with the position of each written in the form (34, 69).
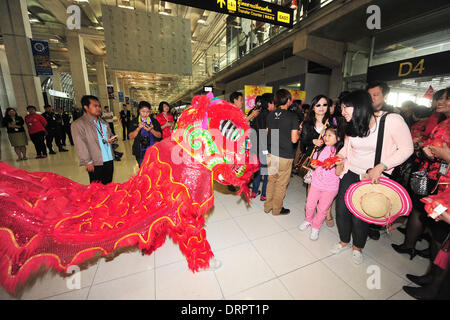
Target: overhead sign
(250, 9)
(60, 94)
(424, 66)
(41, 55)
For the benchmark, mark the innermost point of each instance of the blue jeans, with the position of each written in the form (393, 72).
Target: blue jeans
(257, 181)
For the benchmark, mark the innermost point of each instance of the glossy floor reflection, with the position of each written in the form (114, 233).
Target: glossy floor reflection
(263, 256)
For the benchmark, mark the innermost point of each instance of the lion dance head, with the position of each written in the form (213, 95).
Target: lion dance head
(216, 133)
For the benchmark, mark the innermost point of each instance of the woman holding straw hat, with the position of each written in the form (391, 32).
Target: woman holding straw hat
(358, 159)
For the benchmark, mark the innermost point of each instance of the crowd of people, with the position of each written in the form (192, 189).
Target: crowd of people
(366, 139)
(370, 140)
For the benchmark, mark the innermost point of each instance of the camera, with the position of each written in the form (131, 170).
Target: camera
(145, 142)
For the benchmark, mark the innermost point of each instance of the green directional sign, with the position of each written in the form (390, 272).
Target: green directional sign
(250, 9)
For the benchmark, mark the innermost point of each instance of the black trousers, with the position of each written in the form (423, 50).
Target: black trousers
(126, 130)
(111, 125)
(53, 134)
(347, 224)
(66, 132)
(60, 137)
(39, 144)
(102, 174)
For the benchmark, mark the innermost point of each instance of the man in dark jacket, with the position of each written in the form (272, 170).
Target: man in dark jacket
(125, 119)
(54, 129)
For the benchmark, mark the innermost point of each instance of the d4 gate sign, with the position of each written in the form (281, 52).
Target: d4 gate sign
(250, 9)
(429, 65)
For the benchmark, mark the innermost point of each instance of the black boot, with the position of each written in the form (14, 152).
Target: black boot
(425, 253)
(401, 249)
(421, 280)
(421, 293)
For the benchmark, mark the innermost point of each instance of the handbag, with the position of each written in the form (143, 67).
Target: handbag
(308, 177)
(443, 257)
(303, 166)
(420, 182)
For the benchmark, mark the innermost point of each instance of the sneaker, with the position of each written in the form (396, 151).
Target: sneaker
(253, 195)
(357, 257)
(314, 234)
(52, 152)
(304, 225)
(338, 248)
(262, 198)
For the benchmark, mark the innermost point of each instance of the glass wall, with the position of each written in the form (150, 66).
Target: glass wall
(240, 37)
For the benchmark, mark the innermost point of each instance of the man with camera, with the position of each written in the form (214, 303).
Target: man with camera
(145, 130)
(93, 138)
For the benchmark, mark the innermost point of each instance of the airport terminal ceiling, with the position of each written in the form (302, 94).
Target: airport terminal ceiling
(212, 39)
(48, 22)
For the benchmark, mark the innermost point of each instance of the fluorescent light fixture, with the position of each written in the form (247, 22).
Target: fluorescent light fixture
(201, 21)
(163, 13)
(99, 28)
(126, 7)
(79, 1)
(32, 20)
(53, 40)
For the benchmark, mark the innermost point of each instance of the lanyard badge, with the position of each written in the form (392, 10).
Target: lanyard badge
(100, 130)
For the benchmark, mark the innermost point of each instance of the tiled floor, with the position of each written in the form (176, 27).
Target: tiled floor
(262, 256)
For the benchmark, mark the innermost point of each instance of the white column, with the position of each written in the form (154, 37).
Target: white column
(101, 80)
(16, 31)
(116, 105)
(7, 98)
(78, 67)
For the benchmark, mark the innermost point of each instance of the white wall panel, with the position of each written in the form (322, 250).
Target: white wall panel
(147, 42)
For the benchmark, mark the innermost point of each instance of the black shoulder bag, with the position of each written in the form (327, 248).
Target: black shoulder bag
(380, 143)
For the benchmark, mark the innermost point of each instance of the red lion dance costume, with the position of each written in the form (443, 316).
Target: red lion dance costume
(48, 220)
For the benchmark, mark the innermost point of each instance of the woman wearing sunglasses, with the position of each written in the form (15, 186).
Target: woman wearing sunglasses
(318, 114)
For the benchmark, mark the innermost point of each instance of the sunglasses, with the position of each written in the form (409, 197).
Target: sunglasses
(321, 105)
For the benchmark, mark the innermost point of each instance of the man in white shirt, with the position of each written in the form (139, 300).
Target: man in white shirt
(108, 116)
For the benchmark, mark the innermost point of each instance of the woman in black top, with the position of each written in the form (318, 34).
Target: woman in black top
(16, 133)
(318, 114)
(145, 130)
